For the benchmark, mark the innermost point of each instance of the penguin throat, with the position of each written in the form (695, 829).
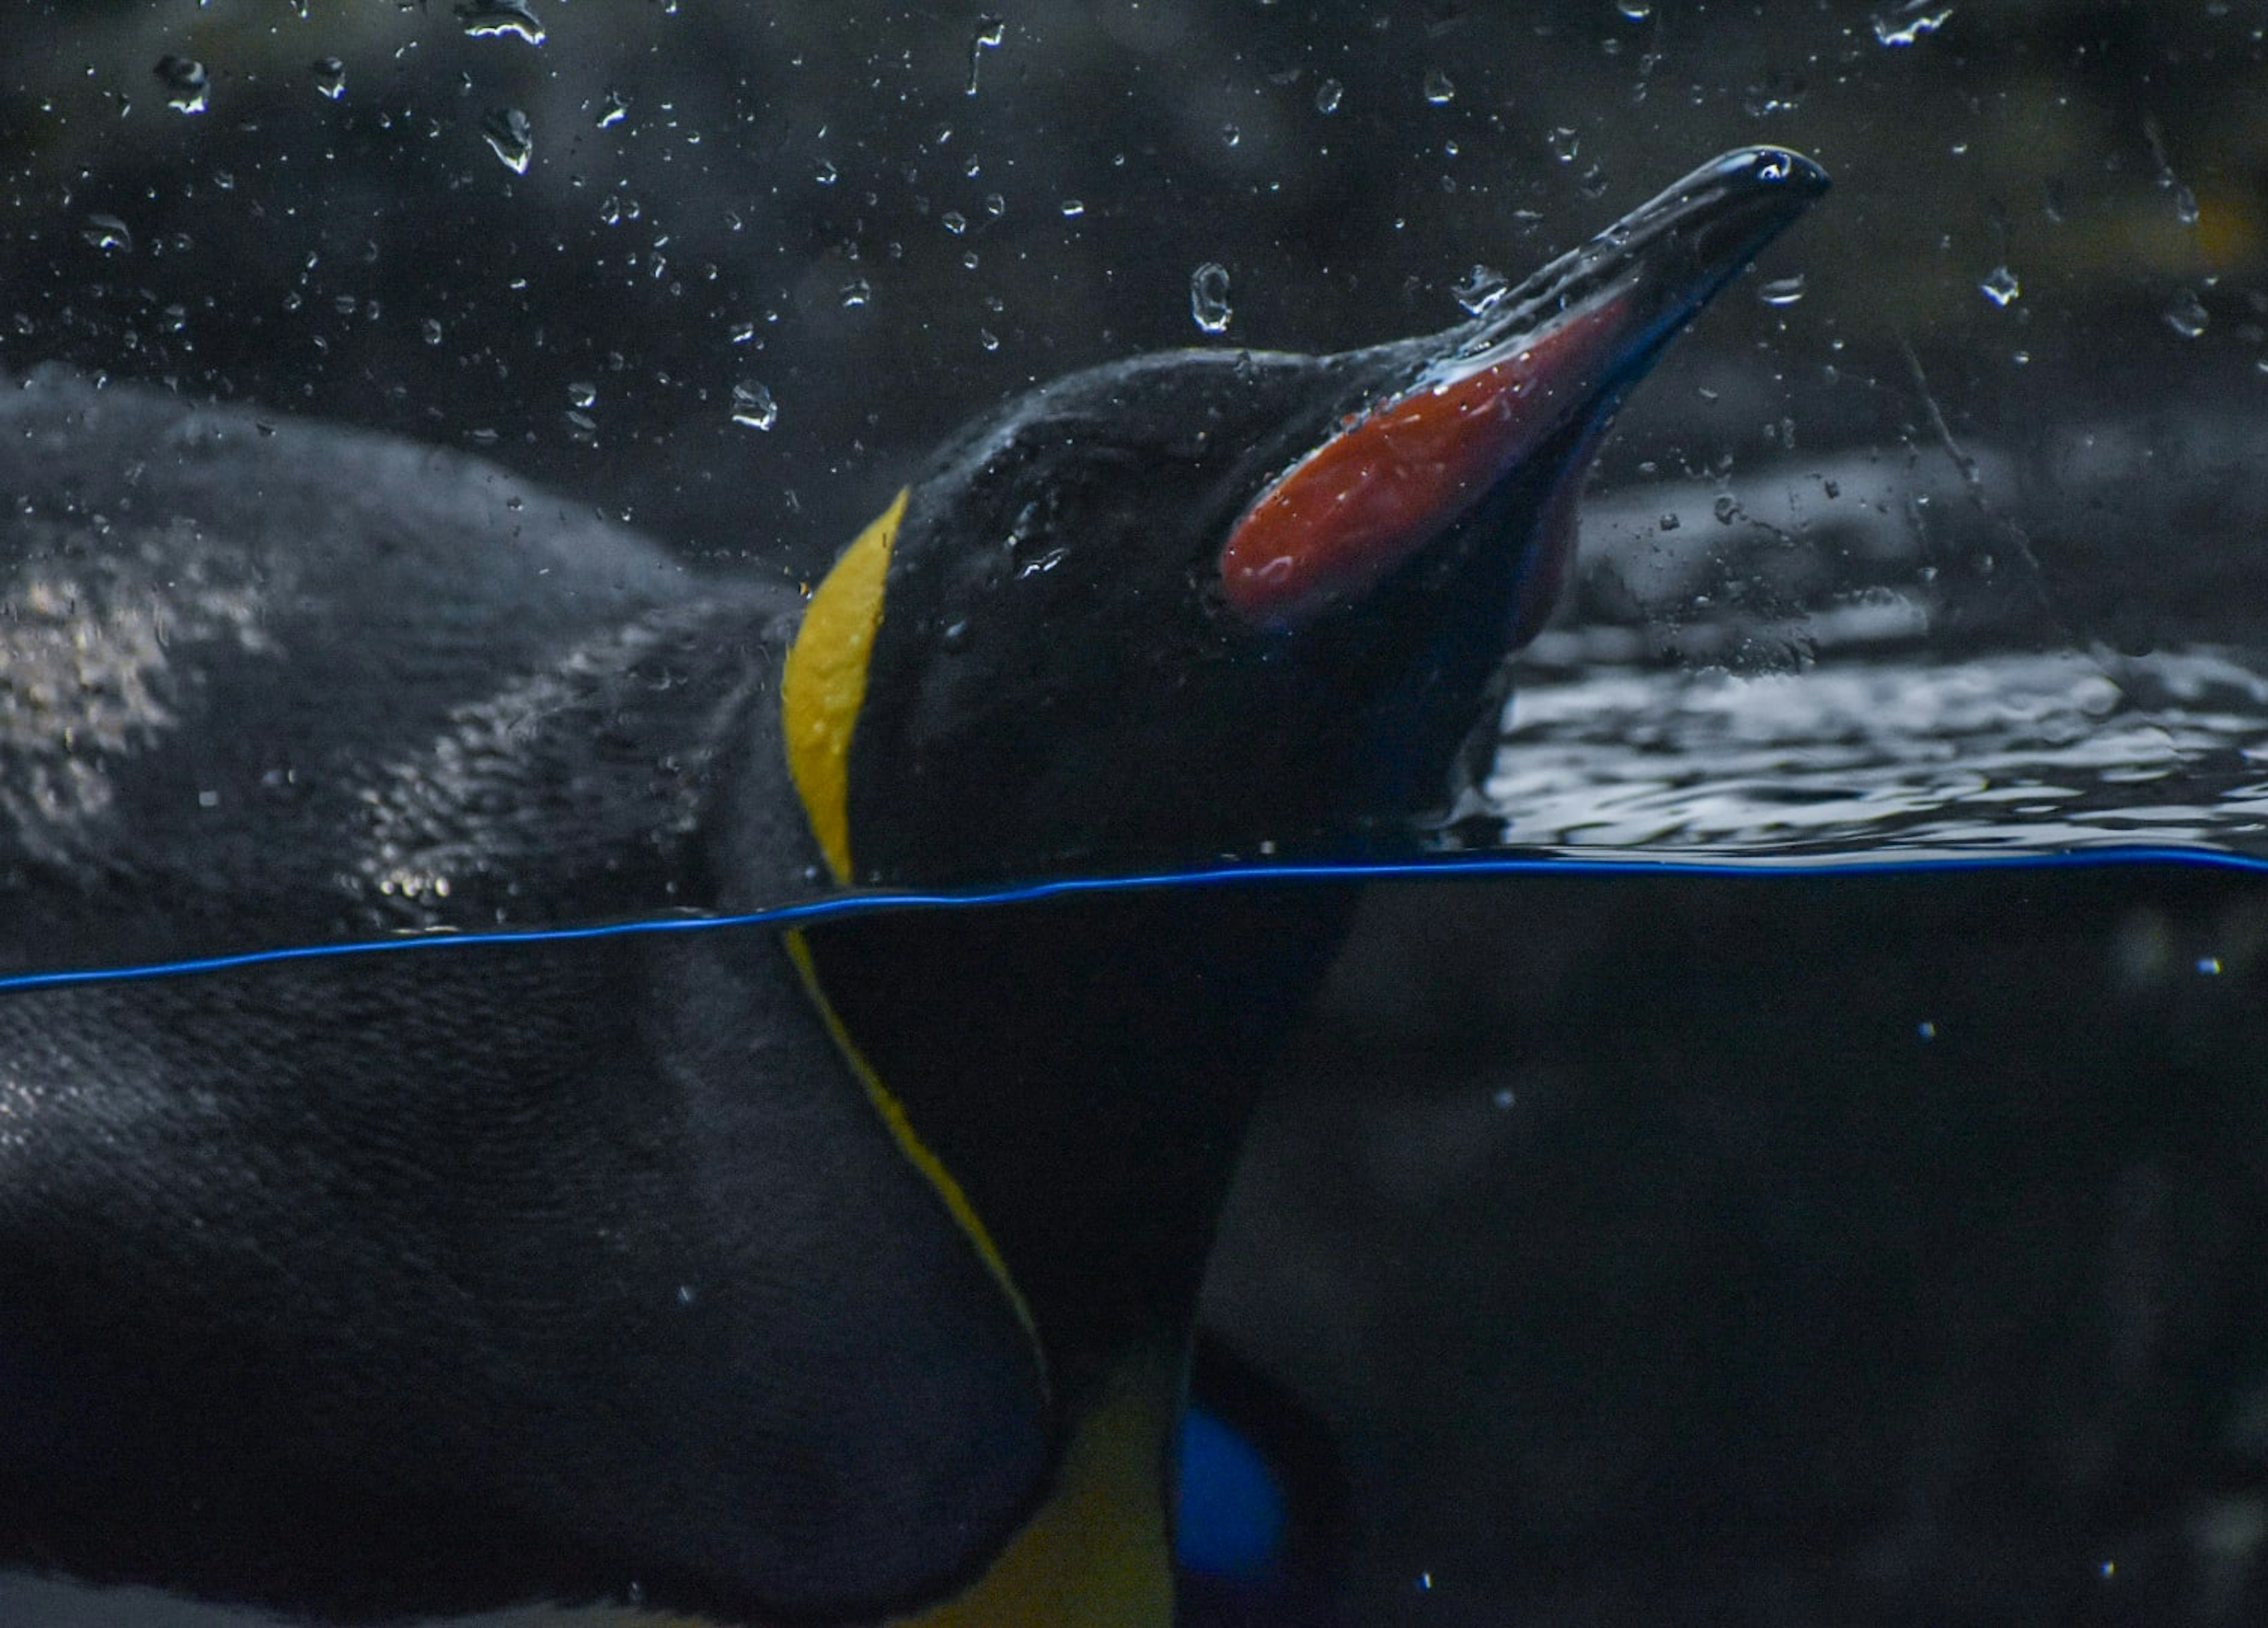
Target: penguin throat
(823, 685)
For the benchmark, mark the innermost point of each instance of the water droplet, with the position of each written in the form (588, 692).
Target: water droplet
(995, 205)
(1636, 11)
(1482, 287)
(2185, 206)
(429, 330)
(2001, 287)
(1782, 291)
(614, 108)
(1208, 297)
(583, 395)
(107, 233)
(510, 137)
(953, 221)
(825, 174)
(2187, 315)
(1230, 135)
(987, 338)
(991, 31)
(2209, 966)
(186, 83)
(1438, 89)
(753, 407)
(1564, 144)
(491, 19)
(1329, 94)
(331, 76)
(1925, 1031)
(855, 293)
(1915, 20)
(1073, 208)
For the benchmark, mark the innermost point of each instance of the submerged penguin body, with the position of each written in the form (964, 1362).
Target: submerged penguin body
(840, 1277)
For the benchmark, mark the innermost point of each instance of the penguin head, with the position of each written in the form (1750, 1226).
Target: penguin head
(1210, 603)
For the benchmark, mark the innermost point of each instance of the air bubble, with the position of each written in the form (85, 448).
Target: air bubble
(855, 293)
(583, 395)
(614, 108)
(1440, 90)
(1782, 291)
(330, 77)
(2001, 287)
(1329, 94)
(2187, 315)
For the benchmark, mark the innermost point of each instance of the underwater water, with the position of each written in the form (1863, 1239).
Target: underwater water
(1745, 1244)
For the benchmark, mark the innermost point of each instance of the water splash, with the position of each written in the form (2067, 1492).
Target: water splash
(511, 137)
(1782, 292)
(1483, 288)
(1208, 297)
(187, 86)
(2187, 315)
(990, 32)
(753, 407)
(107, 233)
(1911, 23)
(497, 19)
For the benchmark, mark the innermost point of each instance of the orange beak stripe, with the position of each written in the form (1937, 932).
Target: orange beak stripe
(1342, 519)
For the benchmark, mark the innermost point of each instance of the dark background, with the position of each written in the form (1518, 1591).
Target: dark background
(291, 250)
(1749, 1304)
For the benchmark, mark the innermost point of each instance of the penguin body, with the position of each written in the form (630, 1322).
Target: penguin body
(839, 1277)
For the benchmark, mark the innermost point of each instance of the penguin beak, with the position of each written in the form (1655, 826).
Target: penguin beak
(1531, 380)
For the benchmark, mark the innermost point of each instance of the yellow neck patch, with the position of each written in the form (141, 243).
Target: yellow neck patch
(1098, 1553)
(915, 1151)
(824, 685)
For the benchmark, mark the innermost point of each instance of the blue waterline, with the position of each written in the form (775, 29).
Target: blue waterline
(1443, 868)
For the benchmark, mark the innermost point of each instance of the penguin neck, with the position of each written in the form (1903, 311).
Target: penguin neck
(1083, 1069)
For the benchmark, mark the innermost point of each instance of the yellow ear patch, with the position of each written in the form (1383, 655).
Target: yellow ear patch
(824, 684)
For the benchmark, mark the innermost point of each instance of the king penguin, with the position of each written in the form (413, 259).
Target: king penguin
(839, 1275)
